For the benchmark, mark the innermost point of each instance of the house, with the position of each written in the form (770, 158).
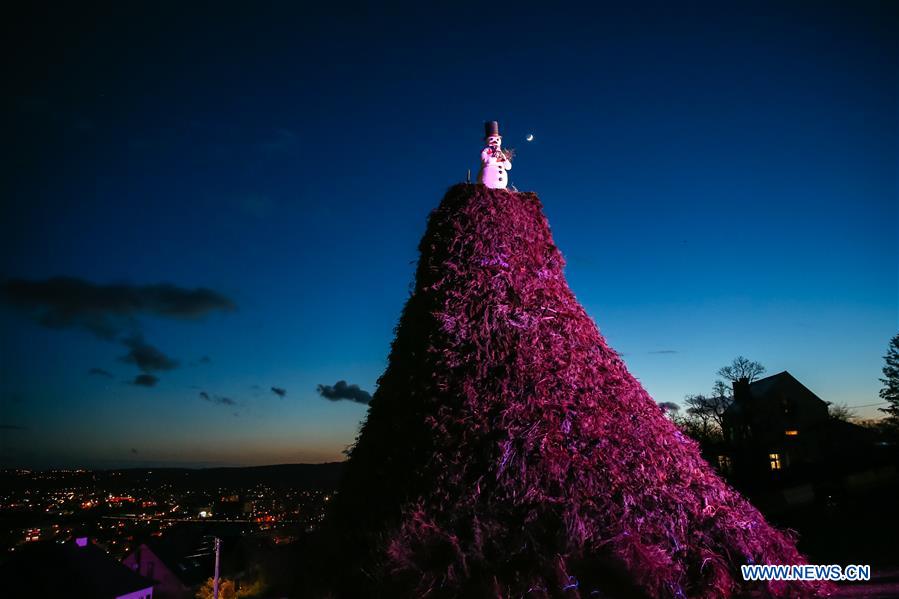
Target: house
(76, 570)
(178, 564)
(778, 433)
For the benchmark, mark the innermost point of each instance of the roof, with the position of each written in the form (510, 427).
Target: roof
(50, 569)
(188, 554)
(765, 387)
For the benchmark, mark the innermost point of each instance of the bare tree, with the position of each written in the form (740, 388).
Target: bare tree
(741, 368)
(708, 408)
(841, 412)
(704, 417)
(699, 421)
(722, 389)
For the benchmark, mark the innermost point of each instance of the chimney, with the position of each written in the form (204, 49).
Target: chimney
(741, 389)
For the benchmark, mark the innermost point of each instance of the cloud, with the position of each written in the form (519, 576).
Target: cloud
(134, 451)
(341, 390)
(12, 427)
(279, 391)
(664, 351)
(145, 380)
(669, 406)
(106, 310)
(217, 399)
(109, 310)
(145, 356)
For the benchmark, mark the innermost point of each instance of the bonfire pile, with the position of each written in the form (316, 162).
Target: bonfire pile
(508, 452)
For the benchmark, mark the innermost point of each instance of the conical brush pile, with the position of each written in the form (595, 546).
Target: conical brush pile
(508, 452)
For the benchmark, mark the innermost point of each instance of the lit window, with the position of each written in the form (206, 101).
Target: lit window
(774, 459)
(791, 433)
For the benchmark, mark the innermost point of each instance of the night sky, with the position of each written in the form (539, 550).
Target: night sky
(210, 215)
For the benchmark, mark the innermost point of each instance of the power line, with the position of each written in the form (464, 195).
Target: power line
(869, 405)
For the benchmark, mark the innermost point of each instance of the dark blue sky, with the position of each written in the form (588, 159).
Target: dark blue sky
(722, 180)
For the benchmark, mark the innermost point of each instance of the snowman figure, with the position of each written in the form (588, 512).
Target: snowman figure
(494, 163)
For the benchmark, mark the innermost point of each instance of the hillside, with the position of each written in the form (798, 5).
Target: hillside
(297, 476)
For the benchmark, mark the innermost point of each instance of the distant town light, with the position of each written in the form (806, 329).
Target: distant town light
(791, 433)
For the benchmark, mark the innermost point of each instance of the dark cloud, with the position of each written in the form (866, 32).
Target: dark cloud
(12, 427)
(664, 351)
(342, 390)
(279, 391)
(217, 399)
(134, 451)
(145, 380)
(205, 360)
(669, 406)
(145, 356)
(106, 310)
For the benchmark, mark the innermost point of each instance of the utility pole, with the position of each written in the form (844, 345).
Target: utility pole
(215, 580)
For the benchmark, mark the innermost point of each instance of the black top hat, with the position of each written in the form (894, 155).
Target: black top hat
(491, 128)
